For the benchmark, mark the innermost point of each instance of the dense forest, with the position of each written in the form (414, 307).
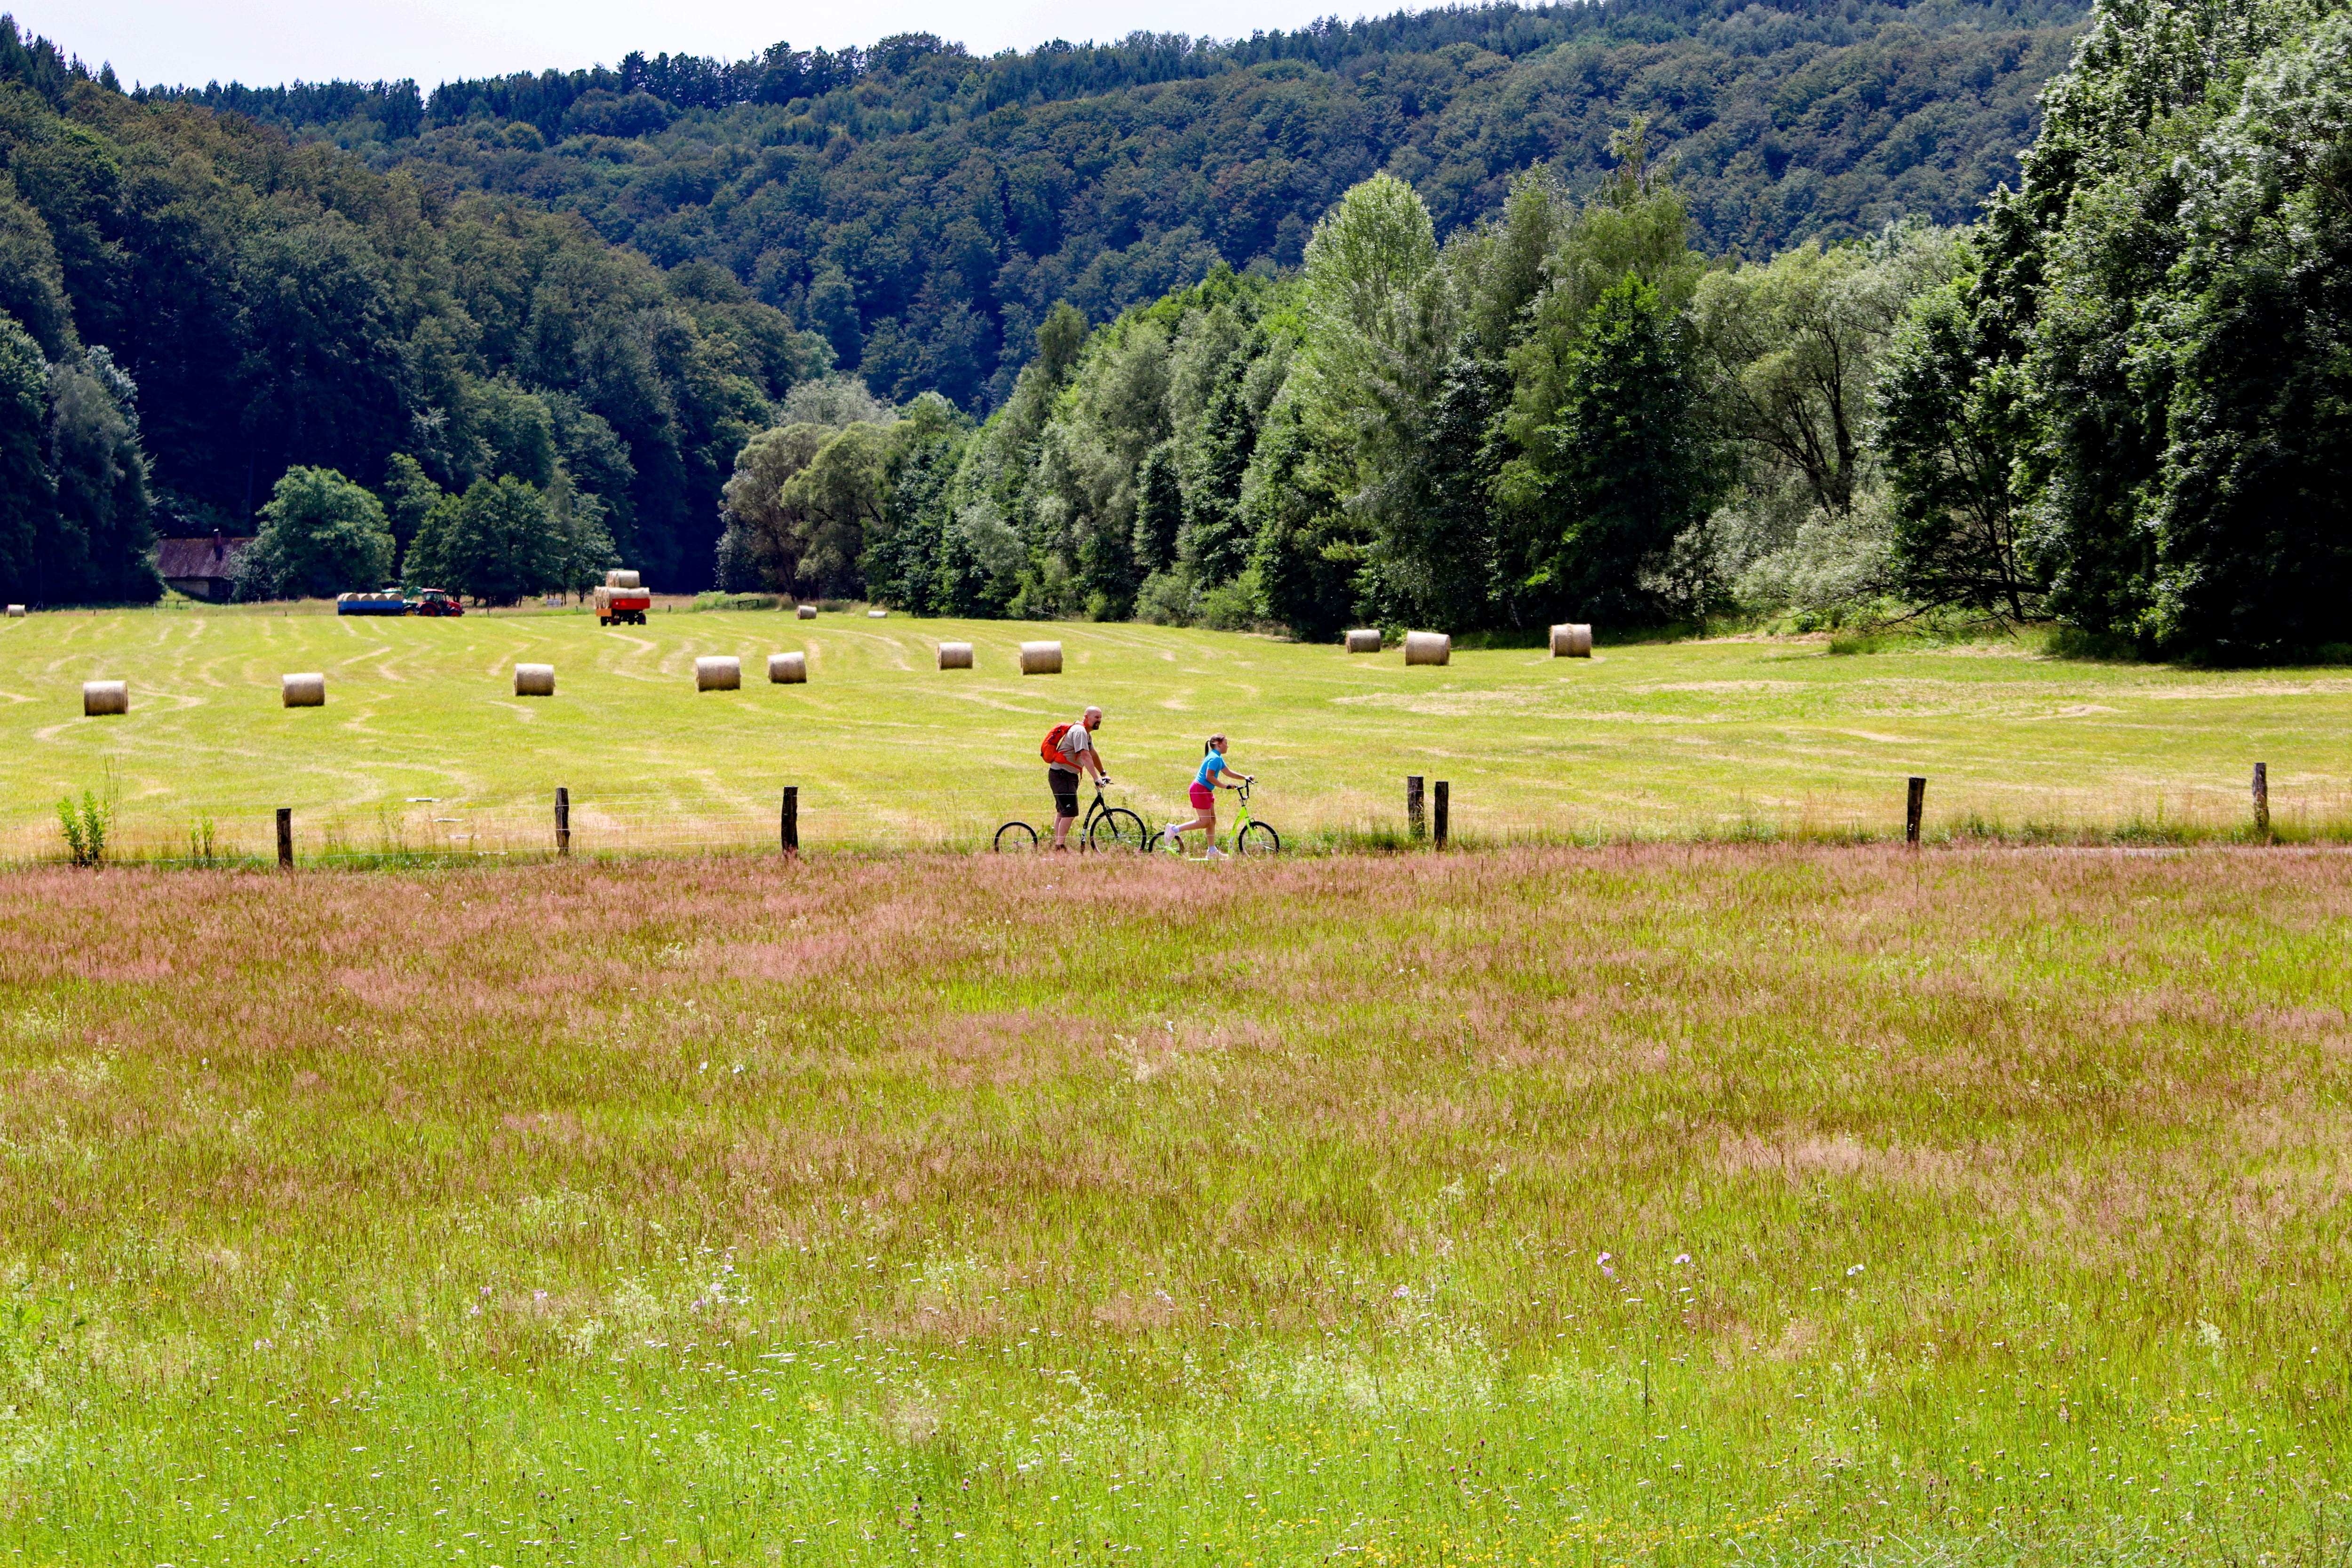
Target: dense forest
(924, 209)
(1482, 390)
(193, 306)
(2121, 401)
(598, 285)
(2133, 408)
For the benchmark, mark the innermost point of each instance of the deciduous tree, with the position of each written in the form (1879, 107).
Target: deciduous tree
(321, 535)
(495, 543)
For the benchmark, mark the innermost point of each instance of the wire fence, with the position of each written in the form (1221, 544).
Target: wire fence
(459, 828)
(455, 828)
(591, 823)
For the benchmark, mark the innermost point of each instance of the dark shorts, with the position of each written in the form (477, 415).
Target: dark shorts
(1065, 786)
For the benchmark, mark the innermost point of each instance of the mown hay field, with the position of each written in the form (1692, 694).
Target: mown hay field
(423, 746)
(1647, 1203)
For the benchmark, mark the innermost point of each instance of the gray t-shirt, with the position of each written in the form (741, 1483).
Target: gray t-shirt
(1074, 745)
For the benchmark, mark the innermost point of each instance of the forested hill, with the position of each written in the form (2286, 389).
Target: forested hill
(924, 209)
(190, 306)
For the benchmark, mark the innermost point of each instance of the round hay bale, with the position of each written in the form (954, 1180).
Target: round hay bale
(1364, 639)
(1040, 658)
(877, 614)
(616, 578)
(1571, 639)
(303, 690)
(105, 696)
(955, 656)
(534, 680)
(808, 611)
(719, 672)
(15, 612)
(788, 668)
(1428, 647)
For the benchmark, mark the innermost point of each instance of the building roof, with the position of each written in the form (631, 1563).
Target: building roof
(213, 556)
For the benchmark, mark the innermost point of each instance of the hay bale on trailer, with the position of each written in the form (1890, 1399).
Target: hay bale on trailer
(1571, 639)
(1364, 639)
(534, 680)
(100, 697)
(1040, 658)
(788, 668)
(618, 578)
(303, 690)
(955, 656)
(719, 672)
(808, 611)
(1428, 647)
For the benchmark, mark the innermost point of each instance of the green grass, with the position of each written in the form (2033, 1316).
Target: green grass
(422, 751)
(1661, 1204)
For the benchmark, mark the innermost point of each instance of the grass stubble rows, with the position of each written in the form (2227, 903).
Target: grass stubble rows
(423, 748)
(1652, 1203)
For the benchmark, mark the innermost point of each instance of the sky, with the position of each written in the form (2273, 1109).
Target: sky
(264, 42)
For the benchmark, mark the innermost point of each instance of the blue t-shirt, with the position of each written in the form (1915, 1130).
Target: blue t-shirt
(1211, 766)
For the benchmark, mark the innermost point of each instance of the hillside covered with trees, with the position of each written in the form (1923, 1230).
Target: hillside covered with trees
(191, 306)
(924, 209)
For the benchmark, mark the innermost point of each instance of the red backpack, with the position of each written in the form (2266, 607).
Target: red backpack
(1052, 748)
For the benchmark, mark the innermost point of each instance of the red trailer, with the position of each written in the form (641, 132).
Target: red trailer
(623, 600)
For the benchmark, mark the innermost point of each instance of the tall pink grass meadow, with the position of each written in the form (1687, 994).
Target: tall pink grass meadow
(1649, 1204)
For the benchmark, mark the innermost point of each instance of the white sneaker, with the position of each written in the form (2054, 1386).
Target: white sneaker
(1168, 839)
(1216, 853)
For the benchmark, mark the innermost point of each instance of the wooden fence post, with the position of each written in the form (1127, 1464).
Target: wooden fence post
(1913, 809)
(286, 839)
(1412, 822)
(1439, 837)
(563, 820)
(2263, 799)
(792, 820)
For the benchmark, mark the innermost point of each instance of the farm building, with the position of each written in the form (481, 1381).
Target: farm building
(200, 568)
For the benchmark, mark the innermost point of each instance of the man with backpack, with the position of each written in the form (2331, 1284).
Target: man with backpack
(1069, 751)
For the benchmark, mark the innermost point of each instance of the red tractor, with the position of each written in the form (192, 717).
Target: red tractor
(435, 602)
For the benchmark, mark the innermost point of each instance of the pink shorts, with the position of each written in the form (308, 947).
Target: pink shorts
(1204, 798)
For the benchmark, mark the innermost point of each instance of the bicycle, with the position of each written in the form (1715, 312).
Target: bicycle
(1107, 828)
(1250, 836)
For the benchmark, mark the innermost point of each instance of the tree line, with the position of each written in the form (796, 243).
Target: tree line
(2117, 401)
(1566, 412)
